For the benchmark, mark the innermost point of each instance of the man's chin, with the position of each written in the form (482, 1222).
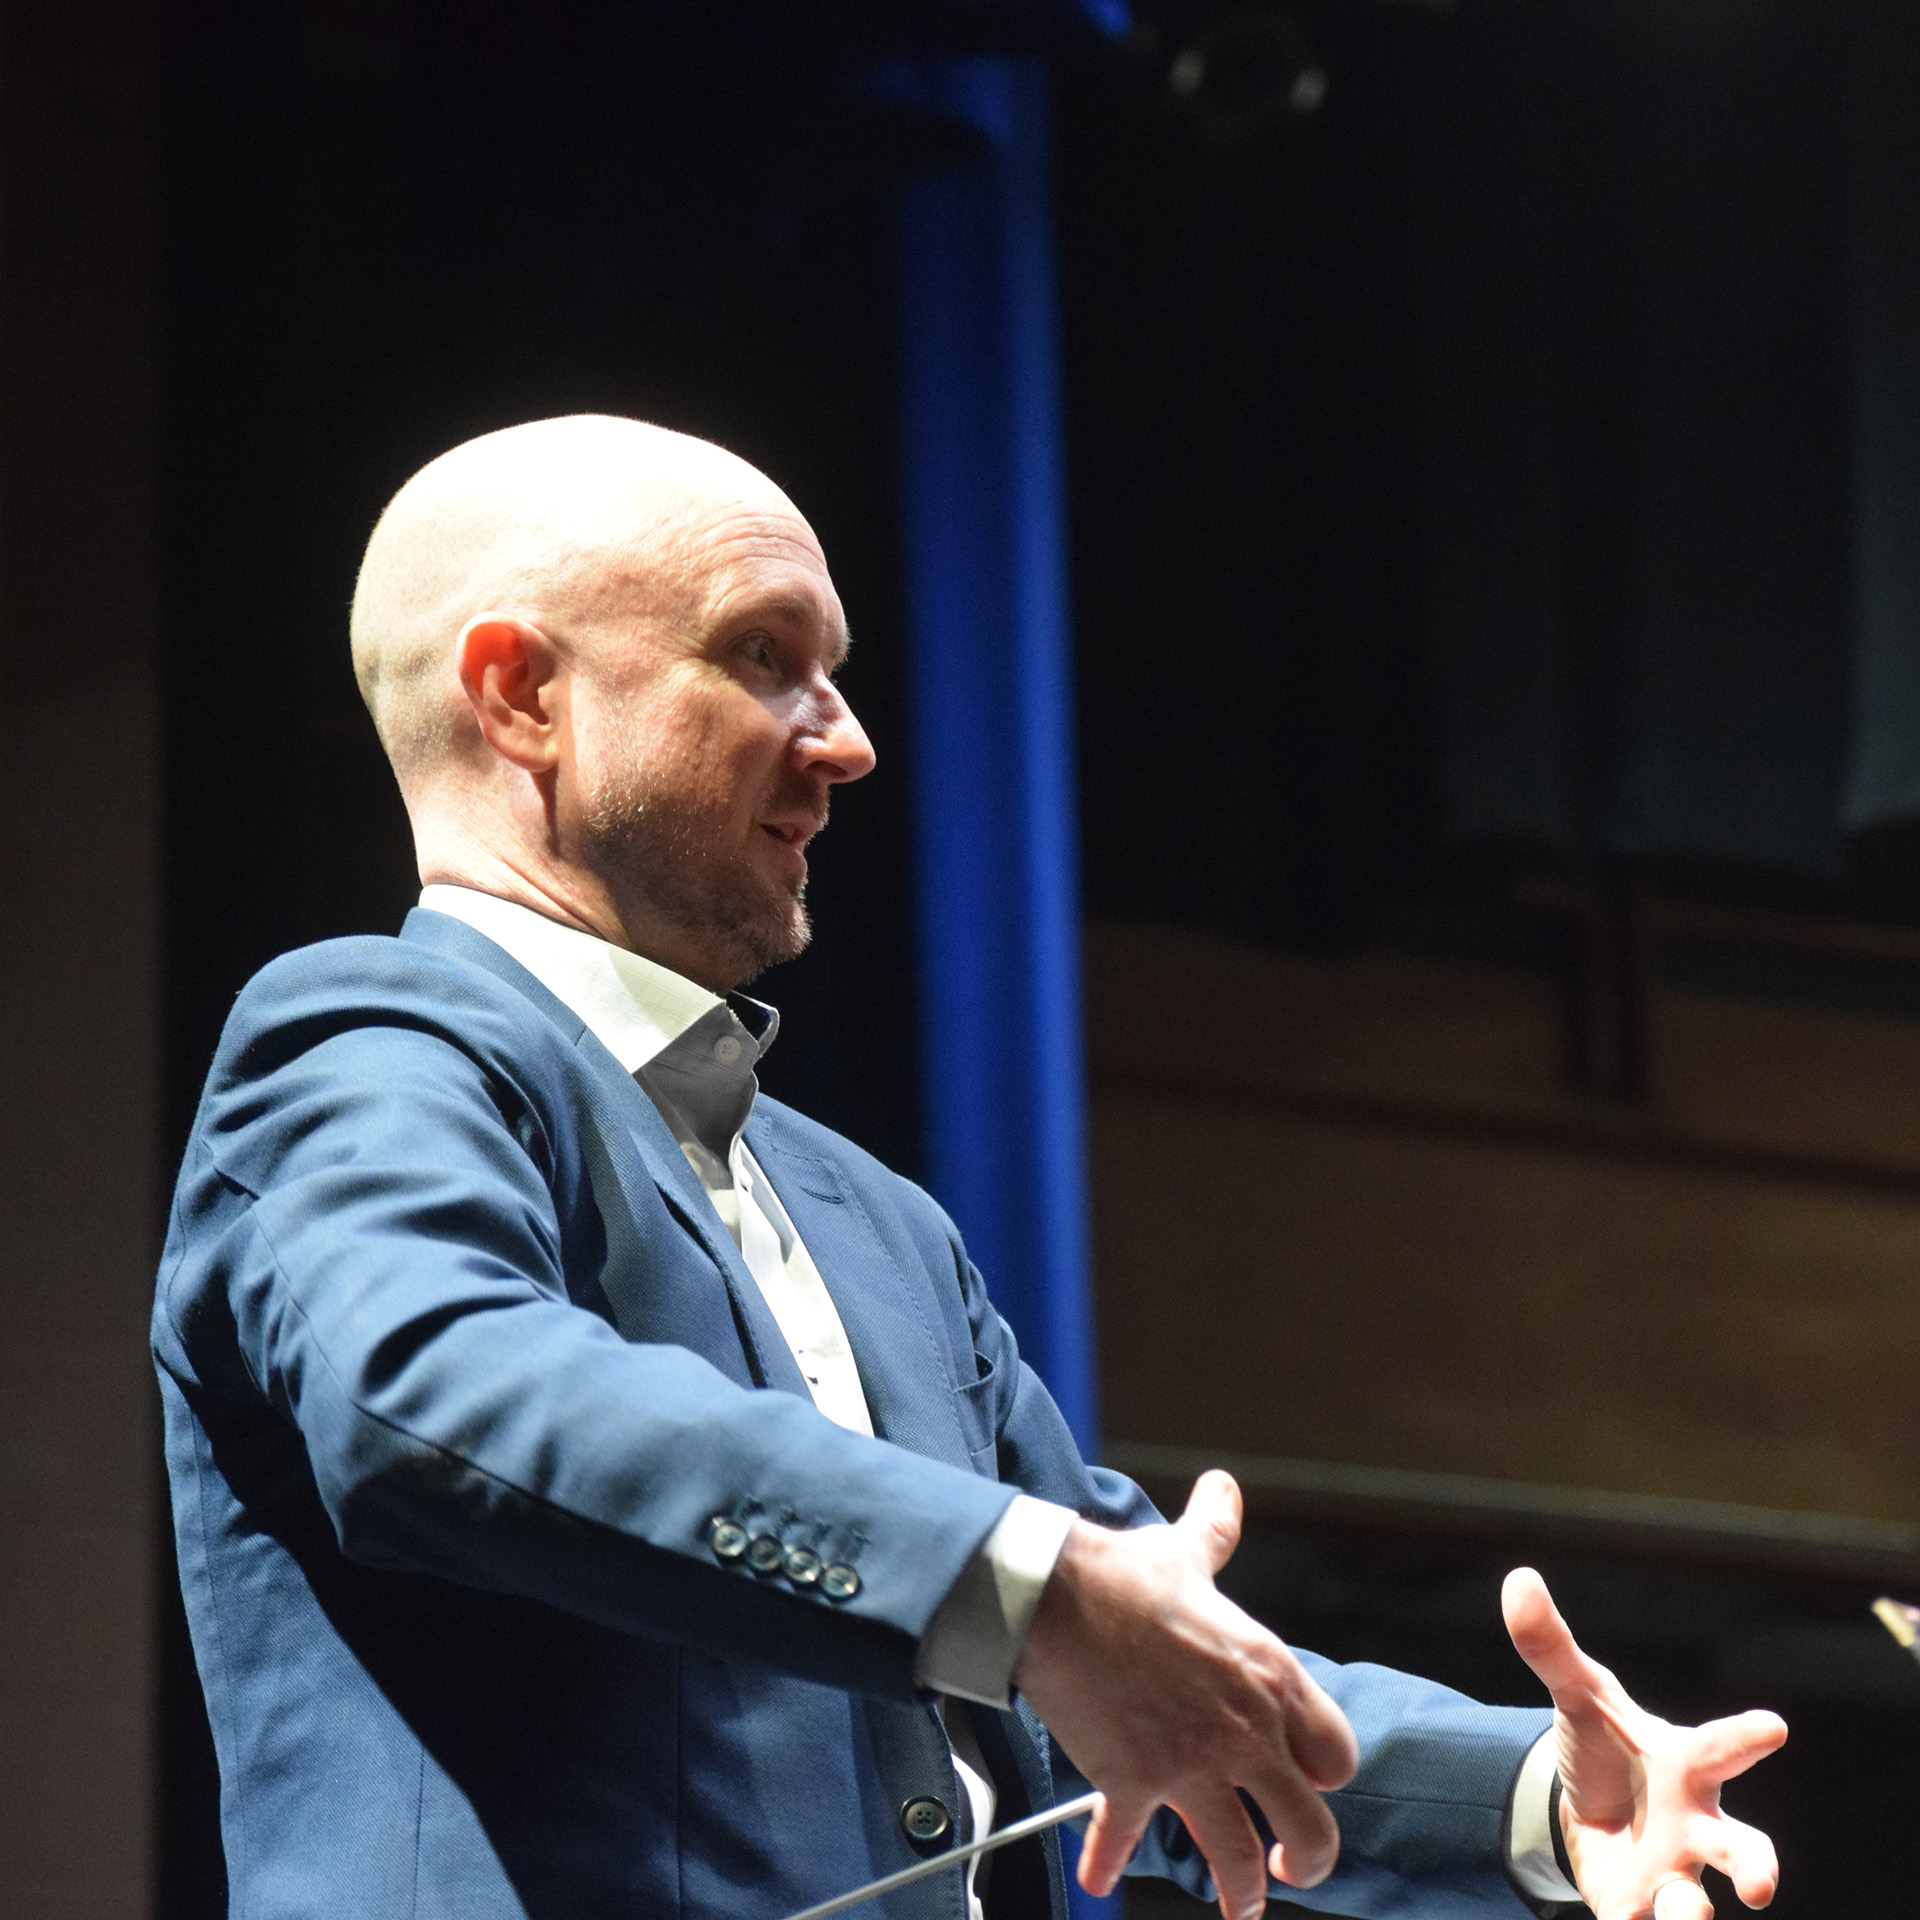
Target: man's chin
(773, 945)
(757, 926)
(739, 923)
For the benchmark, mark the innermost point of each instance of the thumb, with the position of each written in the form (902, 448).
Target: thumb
(1211, 1521)
(1541, 1638)
(1592, 1718)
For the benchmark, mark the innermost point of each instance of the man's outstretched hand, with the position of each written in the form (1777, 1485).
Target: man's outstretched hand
(1640, 1799)
(1165, 1693)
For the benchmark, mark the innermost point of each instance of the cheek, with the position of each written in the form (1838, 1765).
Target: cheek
(731, 745)
(609, 752)
(635, 732)
(716, 751)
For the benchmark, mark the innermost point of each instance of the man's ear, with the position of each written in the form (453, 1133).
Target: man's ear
(515, 683)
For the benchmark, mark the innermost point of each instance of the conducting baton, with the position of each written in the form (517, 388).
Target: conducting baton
(1902, 1621)
(958, 1857)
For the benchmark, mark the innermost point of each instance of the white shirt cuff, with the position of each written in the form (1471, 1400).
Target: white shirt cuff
(1530, 1856)
(976, 1634)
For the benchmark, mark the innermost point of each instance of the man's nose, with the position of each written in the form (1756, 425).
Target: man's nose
(834, 745)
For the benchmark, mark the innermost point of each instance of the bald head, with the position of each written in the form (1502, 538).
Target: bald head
(551, 523)
(601, 658)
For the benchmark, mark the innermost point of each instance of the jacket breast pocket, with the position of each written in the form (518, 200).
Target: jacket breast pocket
(976, 1401)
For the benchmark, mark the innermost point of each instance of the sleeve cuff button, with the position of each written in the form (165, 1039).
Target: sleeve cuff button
(727, 1538)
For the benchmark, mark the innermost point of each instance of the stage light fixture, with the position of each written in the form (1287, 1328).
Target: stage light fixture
(1248, 71)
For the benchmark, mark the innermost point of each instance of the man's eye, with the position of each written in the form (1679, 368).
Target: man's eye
(759, 649)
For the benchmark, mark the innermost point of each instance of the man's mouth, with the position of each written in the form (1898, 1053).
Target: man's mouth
(793, 830)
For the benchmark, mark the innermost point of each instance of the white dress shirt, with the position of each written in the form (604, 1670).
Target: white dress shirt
(645, 1015)
(1531, 1858)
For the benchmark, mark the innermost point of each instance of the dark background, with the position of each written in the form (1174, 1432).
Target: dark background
(1466, 487)
(1340, 392)
(1540, 341)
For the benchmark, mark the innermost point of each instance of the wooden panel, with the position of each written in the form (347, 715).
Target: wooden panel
(1787, 1077)
(1225, 1016)
(1348, 1213)
(1451, 1037)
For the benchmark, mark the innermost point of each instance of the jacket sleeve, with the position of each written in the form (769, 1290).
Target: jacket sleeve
(366, 1242)
(1422, 1824)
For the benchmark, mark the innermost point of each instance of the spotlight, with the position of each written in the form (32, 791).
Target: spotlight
(1247, 72)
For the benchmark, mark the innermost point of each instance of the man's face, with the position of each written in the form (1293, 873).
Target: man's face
(707, 734)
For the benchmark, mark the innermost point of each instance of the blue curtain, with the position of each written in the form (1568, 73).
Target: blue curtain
(991, 715)
(996, 837)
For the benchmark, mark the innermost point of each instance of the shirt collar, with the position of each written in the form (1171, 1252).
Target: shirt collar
(634, 1007)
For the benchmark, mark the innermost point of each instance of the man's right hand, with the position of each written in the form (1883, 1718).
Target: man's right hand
(1165, 1693)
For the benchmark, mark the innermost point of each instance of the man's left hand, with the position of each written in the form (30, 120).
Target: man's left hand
(1640, 1799)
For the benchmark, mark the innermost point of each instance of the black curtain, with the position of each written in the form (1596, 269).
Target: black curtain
(1522, 451)
(1634, 310)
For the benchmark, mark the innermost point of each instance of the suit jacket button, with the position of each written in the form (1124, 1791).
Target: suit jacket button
(727, 1538)
(841, 1583)
(924, 1819)
(803, 1566)
(764, 1553)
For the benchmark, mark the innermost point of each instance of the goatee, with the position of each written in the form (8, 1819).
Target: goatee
(667, 852)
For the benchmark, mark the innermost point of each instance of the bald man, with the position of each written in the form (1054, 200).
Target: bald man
(601, 1491)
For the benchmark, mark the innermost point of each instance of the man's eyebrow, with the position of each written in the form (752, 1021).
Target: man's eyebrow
(804, 613)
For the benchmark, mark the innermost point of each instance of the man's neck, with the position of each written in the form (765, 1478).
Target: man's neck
(583, 904)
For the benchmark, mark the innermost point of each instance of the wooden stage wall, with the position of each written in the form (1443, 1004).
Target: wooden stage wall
(1350, 1213)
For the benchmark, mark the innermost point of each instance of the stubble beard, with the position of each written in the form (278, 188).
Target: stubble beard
(666, 854)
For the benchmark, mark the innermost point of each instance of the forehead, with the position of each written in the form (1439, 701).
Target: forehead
(724, 562)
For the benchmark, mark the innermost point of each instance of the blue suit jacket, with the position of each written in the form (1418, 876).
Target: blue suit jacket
(459, 1366)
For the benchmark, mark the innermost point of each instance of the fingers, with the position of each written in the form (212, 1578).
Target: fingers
(1306, 1835)
(1111, 1836)
(1743, 1853)
(1218, 1821)
(1723, 1748)
(1212, 1518)
(1165, 1692)
(1320, 1739)
(1682, 1900)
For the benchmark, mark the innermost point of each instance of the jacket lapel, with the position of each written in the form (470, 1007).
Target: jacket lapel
(627, 1116)
(636, 1146)
(892, 1323)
